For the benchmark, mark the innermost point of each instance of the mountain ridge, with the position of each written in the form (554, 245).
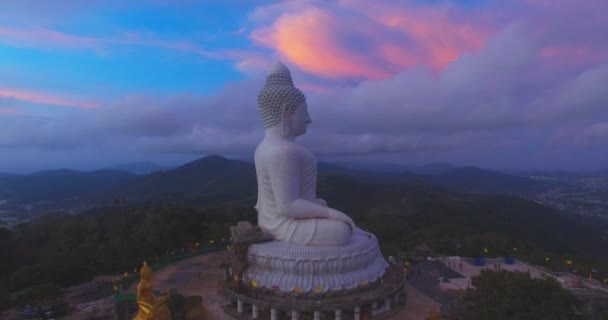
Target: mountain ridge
(213, 177)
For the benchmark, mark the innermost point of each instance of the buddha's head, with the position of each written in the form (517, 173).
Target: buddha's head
(145, 272)
(282, 104)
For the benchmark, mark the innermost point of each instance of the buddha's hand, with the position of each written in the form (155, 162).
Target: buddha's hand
(341, 216)
(322, 202)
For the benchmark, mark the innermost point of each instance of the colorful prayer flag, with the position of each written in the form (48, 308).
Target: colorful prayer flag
(297, 290)
(319, 288)
(254, 283)
(485, 250)
(569, 262)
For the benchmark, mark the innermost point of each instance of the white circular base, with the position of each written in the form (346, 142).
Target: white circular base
(285, 267)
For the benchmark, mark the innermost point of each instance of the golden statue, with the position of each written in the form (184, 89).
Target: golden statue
(149, 306)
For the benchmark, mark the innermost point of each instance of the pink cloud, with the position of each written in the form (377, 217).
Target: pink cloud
(311, 87)
(153, 41)
(46, 38)
(46, 98)
(305, 39)
(239, 31)
(357, 39)
(433, 29)
(5, 110)
(569, 33)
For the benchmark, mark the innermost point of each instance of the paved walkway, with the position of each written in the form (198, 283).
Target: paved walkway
(425, 277)
(467, 270)
(418, 306)
(196, 276)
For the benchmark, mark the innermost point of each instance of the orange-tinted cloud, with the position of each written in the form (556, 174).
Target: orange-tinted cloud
(430, 28)
(311, 87)
(306, 39)
(46, 98)
(365, 40)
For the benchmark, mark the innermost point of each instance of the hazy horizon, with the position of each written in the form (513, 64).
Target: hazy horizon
(372, 165)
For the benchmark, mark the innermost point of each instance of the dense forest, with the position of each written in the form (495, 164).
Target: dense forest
(520, 297)
(67, 249)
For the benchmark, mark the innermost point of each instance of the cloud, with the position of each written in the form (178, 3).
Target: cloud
(355, 39)
(45, 39)
(494, 101)
(45, 98)
(40, 37)
(6, 110)
(418, 81)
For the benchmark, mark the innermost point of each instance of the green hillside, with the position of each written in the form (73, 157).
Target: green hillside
(67, 249)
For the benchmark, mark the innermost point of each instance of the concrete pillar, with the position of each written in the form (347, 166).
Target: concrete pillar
(396, 297)
(387, 304)
(374, 308)
(274, 314)
(338, 314)
(254, 311)
(295, 315)
(239, 306)
(316, 315)
(357, 313)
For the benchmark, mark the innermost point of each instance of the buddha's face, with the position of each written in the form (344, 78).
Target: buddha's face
(300, 120)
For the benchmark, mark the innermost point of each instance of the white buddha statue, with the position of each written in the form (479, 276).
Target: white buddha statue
(288, 207)
(316, 249)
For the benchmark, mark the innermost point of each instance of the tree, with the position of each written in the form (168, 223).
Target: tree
(503, 295)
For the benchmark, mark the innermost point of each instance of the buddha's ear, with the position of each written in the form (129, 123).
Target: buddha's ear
(288, 109)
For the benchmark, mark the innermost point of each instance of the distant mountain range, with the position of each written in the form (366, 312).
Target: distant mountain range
(54, 185)
(567, 174)
(214, 178)
(433, 168)
(211, 177)
(141, 168)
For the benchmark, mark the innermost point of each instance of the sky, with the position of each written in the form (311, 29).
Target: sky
(511, 85)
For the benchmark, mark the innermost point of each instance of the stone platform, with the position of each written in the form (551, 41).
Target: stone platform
(379, 300)
(284, 267)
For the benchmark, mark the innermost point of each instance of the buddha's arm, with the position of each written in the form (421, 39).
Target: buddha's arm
(285, 178)
(285, 175)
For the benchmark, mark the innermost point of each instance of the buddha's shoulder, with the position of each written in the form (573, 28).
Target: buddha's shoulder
(281, 151)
